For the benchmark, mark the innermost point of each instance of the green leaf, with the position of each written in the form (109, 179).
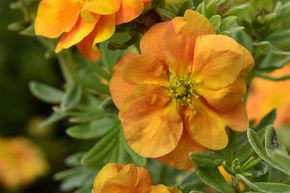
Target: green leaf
(45, 92)
(99, 152)
(265, 187)
(94, 129)
(216, 22)
(54, 117)
(72, 97)
(267, 120)
(259, 148)
(212, 177)
(205, 159)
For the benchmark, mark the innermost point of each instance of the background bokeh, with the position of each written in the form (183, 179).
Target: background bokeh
(22, 60)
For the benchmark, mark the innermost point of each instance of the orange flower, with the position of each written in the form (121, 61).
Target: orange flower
(266, 95)
(179, 95)
(84, 22)
(126, 179)
(21, 162)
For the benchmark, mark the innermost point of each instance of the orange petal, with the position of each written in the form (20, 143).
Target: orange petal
(130, 9)
(109, 171)
(144, 181)
(103, 30)
(205, 127)
(180, 40)
(55, 17)
(152, 42)
(178, 158)
(164, 189)
(218, 61)
(120, 89)
(144, 70)
(236, 118)
(81, 29)
(123, 182)
(151, 122)
(224, 99)
(102, 7)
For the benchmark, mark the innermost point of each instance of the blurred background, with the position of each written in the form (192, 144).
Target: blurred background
(29, 156)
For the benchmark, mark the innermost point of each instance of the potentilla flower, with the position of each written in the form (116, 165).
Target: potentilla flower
(84, 22)
(127, 179)
(21, 162)
(182, 92)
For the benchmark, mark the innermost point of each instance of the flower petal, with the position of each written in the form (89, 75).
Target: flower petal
(109, 171)
(120, 89)
(179, 40)
(102, 7)
(144, 70)
(218, 61)
(103, 30)
(226, 98)
(81, 29)
(123, 182)
(55, 17)
(236, 118)
(164, 189)
(152, 42)
(178, 158)
(129, 10)
(151, 122)
(205, 127)
(144, 181)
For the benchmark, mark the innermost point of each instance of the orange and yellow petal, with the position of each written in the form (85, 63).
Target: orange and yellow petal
(120, 89)
(103, 30)
(145, 70)
(236, 118)
(152, 43)
(226, 98)
(179, 157)
(123, 182)
(151, 122)
(81, 29)
(129, 10)
(102, 7)
(218, 61)
(180, 38)
(164, 189)
(205, 127)
(55, 17)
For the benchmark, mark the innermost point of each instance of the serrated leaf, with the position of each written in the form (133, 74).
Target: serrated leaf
(45, 92)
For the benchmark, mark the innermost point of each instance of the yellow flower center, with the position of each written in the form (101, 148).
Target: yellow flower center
(183, 90)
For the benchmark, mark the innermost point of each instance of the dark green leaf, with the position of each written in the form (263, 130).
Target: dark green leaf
(72, 97)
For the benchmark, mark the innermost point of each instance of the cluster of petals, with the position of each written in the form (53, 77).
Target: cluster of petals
(183, 91)
(84, 22)
(127, 179)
